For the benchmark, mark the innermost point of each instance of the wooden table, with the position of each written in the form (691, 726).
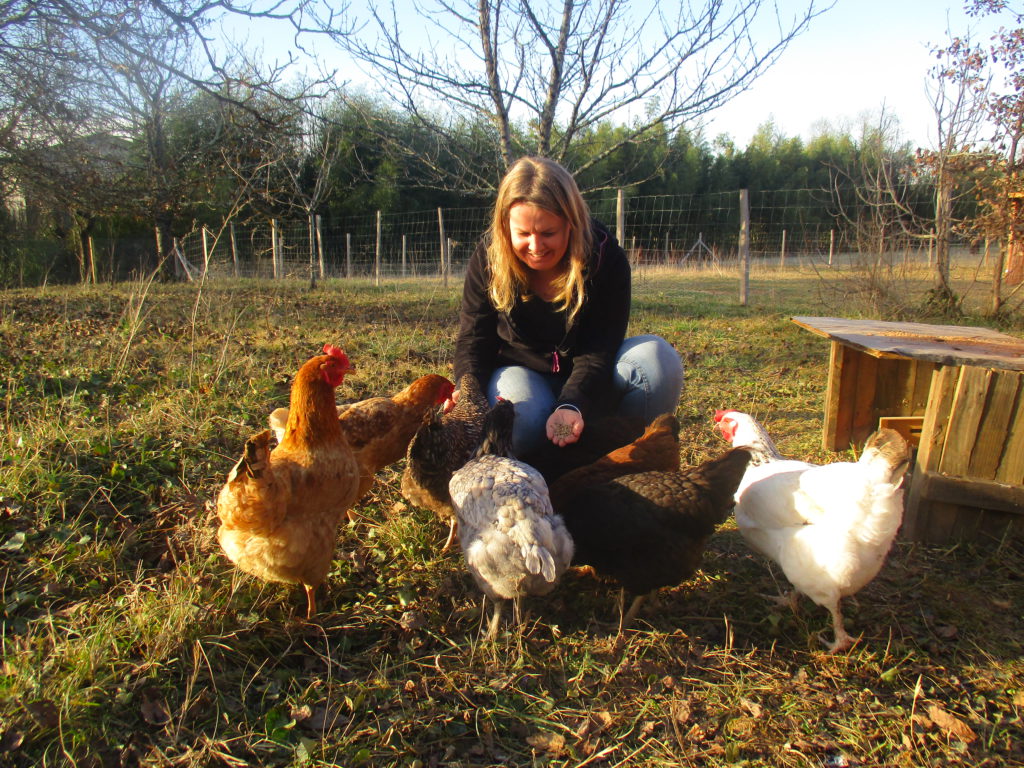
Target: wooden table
(964, 388)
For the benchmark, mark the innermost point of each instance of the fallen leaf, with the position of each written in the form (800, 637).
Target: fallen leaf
(946, 631)
(553, 743)
(595, 723)
(11, 740)
(153, 709)
(44, 713)
(952, 725)
(752, 708)
(325, 719)
(680, 711)
(412, 620)
(301, 712)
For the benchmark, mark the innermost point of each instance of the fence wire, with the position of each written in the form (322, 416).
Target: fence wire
(674, 230)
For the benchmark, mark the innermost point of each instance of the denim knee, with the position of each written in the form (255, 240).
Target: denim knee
(649, 373)
(534, 398)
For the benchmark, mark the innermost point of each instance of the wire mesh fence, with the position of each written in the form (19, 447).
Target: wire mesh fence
(788, 226)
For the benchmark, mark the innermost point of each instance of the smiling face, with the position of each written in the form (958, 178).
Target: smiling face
(540, 238)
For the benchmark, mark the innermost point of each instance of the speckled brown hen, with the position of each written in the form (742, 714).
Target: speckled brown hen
(442, 446)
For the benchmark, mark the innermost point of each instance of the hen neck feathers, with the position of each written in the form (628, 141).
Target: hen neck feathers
(312, 416)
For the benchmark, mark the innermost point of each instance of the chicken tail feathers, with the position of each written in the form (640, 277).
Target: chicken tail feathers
(255, 457)
(540, 561)
(723, 475)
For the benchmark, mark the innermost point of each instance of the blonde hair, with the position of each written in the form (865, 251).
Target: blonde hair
(546, 184)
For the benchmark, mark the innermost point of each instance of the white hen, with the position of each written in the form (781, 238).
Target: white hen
(828, 526)
(514, 544)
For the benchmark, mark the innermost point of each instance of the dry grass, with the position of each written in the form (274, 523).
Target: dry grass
(129, 640)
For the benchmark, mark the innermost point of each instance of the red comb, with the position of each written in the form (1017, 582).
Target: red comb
(338, 354)
(719, 415)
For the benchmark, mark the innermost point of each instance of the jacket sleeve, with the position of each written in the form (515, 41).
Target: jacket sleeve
(476, 346)
(602, 324)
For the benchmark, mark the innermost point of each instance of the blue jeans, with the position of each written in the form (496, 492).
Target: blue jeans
(648, 377)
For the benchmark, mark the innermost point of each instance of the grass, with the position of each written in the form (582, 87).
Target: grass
(128, 639)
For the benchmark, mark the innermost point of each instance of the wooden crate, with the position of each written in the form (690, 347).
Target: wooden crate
(863, 388)
(968, 478)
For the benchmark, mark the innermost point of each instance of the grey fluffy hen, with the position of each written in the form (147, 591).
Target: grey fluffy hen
(513, 542)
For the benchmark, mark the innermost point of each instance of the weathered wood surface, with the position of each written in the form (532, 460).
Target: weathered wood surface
(943, 344)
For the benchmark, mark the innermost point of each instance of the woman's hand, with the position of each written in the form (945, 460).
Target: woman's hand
(564, 426)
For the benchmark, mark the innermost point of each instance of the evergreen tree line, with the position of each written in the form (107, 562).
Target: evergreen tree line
(107, 198)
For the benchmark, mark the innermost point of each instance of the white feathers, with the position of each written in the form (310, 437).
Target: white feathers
(828, 526)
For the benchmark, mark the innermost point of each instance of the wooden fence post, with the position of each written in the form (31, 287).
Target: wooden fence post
(744, 246)
(444, 243)
(206, 251)
(376, 258)
(320, 247)
(311, 229)
(92, 261)
(348, 254)
(403, 254)
(782, 251)
(831, 245)
(273, 245)
(620, 217)
(234, 248)
(159, 245)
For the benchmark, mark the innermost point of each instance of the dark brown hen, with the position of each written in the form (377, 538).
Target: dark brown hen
(601, 435)
(442, 446)
(649, 529)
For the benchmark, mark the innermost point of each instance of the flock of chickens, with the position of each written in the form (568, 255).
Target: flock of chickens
(617, 501)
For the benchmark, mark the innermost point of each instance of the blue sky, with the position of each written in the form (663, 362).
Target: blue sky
(856, 57)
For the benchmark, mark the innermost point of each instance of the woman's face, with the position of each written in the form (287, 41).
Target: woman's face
(540, 238)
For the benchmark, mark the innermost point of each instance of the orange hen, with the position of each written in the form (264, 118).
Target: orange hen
(280, 507)
(379, 428)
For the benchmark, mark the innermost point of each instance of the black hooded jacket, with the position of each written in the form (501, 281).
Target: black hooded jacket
(535, 334)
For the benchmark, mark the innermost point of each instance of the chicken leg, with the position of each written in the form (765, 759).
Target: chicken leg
(310, 600)
(842, 640)
(492, 628)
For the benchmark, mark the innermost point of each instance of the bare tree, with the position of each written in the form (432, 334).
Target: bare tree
(958, 97)
(546, 76)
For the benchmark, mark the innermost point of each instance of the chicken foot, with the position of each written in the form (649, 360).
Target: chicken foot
(452, 527)
(495, 622)
(789, 600)
(842, 641)
(310, 601)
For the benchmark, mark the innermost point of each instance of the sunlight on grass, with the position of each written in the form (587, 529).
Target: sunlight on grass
(129, 639)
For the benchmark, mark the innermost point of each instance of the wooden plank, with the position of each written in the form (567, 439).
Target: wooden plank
(1011, 466)
(936, 418)
(995, 424)
(972, 493)
(917, 518)
(843, 376)
(964, 418)
(909, 427)
(923, 372)
(942, 522)
(894, 387)
(945, 344)
(864, 415)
